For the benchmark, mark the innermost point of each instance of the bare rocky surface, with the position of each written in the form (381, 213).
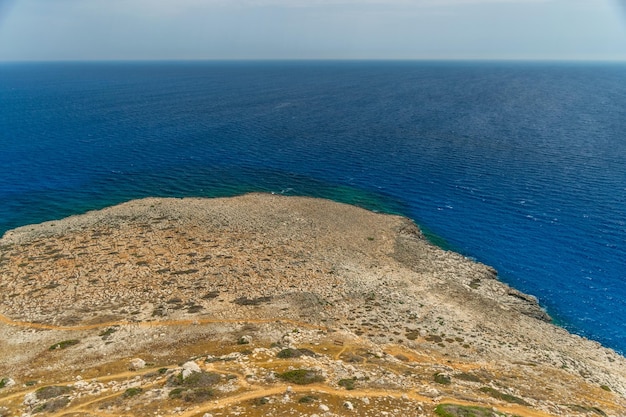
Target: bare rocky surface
(201, 307)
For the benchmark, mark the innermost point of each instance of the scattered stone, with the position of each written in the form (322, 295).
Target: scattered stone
(189, 368)
(137, 364)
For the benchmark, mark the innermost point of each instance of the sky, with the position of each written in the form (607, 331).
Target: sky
(59, 30)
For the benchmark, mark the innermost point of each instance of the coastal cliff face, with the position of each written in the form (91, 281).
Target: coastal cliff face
(271, 305)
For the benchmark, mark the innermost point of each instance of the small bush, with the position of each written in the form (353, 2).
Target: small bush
(442, 379)
(131, 392)
(502, 396)
(453, 410)
(198, 395)
(3, 382)
(195, 380)
(45, 393)
(108, 332)
(289, 353)
(307, 399)
(301, 376)
(245, 301)
(261, 401)
(176, 393)
(467, 377)
(52, 405)
(201, 379)
(64, 344)
(347, 383)
(194, 308)
(583, 409)
(193, 395)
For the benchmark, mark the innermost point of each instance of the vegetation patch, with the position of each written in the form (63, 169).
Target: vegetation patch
(308, 399)
(442, 379)
(412, 334)
(64, 344)
(210, 295)
(347, 383)
(289, 353)
(453, 410)
(195, 388)
(434, 338)
(583, 409)
(467, 377)
(194, 308)
(260, 401)
(503, 396)
(53, 391)
(4, 382)
(108, 332)
(195, 395)
(185, 272)
(245, 301)
(301, 376)
(131, 392)
(195, 380)
(52, 405)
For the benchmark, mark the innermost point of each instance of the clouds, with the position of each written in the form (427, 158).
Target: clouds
(293, 29)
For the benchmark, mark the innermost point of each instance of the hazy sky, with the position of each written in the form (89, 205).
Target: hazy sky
(295, 29)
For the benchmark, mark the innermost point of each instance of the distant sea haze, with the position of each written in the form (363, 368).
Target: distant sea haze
(519, 165)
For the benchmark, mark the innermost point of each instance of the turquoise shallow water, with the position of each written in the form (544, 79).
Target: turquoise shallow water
(518, 165)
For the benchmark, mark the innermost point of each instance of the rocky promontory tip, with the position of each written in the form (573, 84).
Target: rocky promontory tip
(276, 305)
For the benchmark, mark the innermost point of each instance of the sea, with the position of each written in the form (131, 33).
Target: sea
(519, 165)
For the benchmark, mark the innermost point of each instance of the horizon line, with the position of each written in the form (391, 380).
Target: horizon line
(173, 60)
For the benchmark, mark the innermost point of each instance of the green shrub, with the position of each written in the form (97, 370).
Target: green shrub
(301, 376)
(64, 344)
(261, 401)
(176, 393)
(108, 332)
(467, 377)
(502, 396)
(442, 379)
(347, 383)
(52, 405)
(307, 399)
(52, 391)
(193, 395)
(131, 392)
(453, 410)
(195, 379)
(289, 353)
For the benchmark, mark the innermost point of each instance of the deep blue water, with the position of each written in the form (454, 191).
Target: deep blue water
(519, 165)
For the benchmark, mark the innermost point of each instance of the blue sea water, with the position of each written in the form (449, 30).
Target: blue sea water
(519, 165)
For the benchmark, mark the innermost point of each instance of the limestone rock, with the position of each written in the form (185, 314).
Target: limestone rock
(137, 364)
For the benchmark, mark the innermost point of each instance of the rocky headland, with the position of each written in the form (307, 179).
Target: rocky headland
(271, 305)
